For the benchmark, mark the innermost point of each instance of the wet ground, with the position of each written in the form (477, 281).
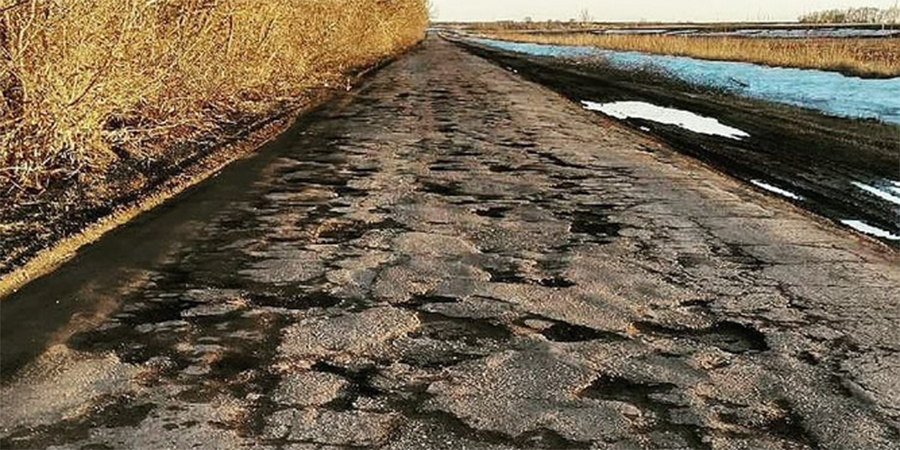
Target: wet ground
(845, 170)
(828, 92)
(452, 257)
(761, 32)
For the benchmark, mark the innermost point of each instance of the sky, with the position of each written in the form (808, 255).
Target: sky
(637, 10)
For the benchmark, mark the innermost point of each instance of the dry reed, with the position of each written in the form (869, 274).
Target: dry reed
(862, 57)
(86, 83)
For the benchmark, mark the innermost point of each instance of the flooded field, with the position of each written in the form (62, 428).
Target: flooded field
(762, 32)
(828, 92)
(792, 133)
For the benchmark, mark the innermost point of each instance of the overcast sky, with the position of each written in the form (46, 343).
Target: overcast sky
(636, 10)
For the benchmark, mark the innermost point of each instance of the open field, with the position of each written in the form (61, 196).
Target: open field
(869, 57)
(102, 102)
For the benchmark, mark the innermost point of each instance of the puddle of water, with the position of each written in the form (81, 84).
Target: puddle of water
(803, 33)
(863, 227)
(669, 116)
(890, 192)
(829, 92)
(777, 190)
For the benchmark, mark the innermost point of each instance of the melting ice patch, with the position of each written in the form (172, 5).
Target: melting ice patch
(891, 191)
(804, 33)
(783, 33)
(863, 227)
(775, 189)
(894, 186)
(669, 116)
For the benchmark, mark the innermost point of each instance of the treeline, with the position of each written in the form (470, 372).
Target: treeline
(855, 15)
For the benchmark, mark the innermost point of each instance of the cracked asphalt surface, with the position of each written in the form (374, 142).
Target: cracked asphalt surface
(453, 258)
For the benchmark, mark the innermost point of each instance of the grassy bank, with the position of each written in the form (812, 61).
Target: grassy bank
(87, 84)
(108, 107)
(861, 57)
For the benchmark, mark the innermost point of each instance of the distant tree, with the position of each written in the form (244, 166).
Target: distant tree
(585, 16)
(432, 9)
(528, 19)
(890, 15)
(854, 15)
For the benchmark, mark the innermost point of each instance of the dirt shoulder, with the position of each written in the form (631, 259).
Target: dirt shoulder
(38, 231)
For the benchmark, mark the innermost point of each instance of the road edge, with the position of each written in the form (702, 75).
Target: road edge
(231, 150)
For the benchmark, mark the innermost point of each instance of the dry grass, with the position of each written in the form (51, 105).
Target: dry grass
(863, 57)
(84, 84)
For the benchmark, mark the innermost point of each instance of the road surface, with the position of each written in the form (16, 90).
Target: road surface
(451, 257)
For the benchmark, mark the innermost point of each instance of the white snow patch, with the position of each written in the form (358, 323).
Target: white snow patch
(645, 129)
(776, 190)
(863, 227)
(894, 186)
(884, 195)
(670, 116)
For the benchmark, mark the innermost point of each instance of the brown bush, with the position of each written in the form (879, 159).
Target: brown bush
(84, 83)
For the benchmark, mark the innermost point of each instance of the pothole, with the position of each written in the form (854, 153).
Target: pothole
(450, 189)
(351, 231)
(473, 332)
(428, 299)
(614, 388)
(595, 223)
(496, 212)
(564, 332)
(655, 399)
(360, 384)
(501, 168)
(113, 413)
(557, 282)
(505, 275)
(318, 299)
(732, 337)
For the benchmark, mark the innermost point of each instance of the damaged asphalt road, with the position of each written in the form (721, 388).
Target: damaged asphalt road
(451, 257)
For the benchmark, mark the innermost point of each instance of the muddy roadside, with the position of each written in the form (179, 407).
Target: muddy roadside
(39, 231)
(815, 157)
